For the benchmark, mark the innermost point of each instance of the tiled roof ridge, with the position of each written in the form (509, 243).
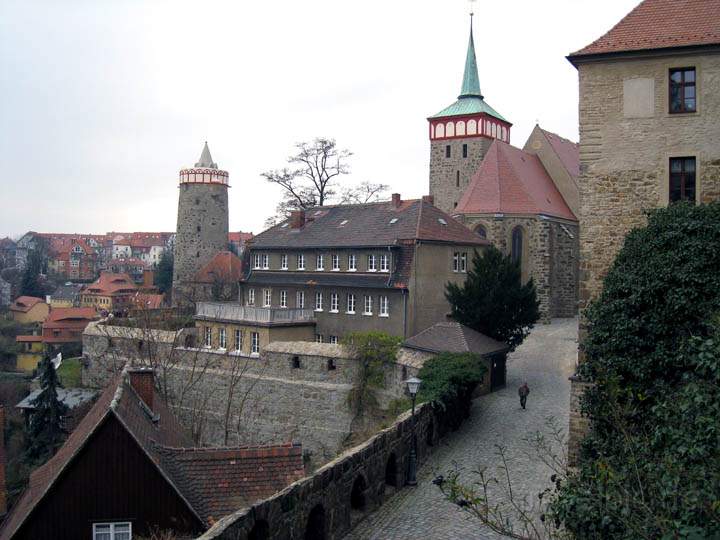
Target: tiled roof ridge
(357, 205)
(189, 449)
(563, 139)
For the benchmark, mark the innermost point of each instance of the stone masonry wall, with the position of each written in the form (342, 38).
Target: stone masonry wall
(579, 424)
(564, 269)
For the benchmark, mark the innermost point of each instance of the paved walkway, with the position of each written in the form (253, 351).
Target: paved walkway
(545, 360)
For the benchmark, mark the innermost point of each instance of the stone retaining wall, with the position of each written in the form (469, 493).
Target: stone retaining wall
(579, 424)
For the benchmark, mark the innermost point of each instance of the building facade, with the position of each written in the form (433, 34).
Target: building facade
(202, 224)
(112, 293)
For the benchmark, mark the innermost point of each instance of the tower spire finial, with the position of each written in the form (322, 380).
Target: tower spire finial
(206, 159)
(471, 80)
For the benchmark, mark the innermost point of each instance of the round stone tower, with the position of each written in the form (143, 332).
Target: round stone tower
(202, 223)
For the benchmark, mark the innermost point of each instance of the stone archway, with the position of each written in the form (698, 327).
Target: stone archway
(316, 528)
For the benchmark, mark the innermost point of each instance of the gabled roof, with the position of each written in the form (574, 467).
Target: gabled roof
(24, 304)
(511, 181)
(70, 314)
(660, 24)
(368, 225)
(225, 266)
(109, 283)
(567, 151)
(455, 338)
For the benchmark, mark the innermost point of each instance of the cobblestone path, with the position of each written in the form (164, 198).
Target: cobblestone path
(545, 360)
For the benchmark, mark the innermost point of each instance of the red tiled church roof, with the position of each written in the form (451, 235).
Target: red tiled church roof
(660, 24)
(511, 181)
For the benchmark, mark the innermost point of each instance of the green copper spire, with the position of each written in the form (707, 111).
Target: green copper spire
(471, 81)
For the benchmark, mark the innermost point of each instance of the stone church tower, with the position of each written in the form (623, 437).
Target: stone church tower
(202, 224)
(460, 136)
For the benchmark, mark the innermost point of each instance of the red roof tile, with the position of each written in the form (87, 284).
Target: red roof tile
(239, 236)
(225, 266)
(24, 304)
(109, 283)
(659, 24)
(511, 181)
(70, 314)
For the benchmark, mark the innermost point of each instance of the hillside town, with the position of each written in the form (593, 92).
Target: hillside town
(530, 349)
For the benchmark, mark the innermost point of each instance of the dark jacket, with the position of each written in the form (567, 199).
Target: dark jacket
(523, 391)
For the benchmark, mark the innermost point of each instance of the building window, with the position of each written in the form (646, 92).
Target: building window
(682, 90)
(463, 262)
(283, 262)
(300, 300)
(384, 263)
(295, 363)
(251, 297)
(336, 262)
(318, 301)
(208, 336)
(222, 338)
(368, 305)
(283, 299)
(319, 338)
(319, 262)
(254, 342)
(333, 340)
(464, 150)
(267, 297)
(456, 262)
(371, 263)
(384, 306)
(331, 365)
(265, 261)
(352, 262)
(112, 531)
(351, 303)
(333, 302)
(447, 151)
(301, 262)
(682, 179)
(481, 231)
(256, 260)
(457, 178)
(517, 245)
(238, 340)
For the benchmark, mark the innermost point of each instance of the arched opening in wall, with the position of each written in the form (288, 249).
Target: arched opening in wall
(481, 231)
(440, 131)
(472, 127)
(260, 531)
(315, 528)
(460, 128)
(357, 494)
(450, 129)
(430, 434)
(391, 471)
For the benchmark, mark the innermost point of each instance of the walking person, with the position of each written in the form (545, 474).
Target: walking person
(523, 392)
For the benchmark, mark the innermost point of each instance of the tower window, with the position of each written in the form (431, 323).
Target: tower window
(447, 151)
(198, 228)
(197, 255)
(464, 150)
(457, 178)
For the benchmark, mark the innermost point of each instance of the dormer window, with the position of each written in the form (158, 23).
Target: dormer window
(301, 262)
(352, 263)
(256, 261)
(371, 263)
(384, 263)
(283, 261)
(265, 261)
(320, 262)
(335, 262)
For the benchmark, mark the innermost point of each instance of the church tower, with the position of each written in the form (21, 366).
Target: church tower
(202, 223)
(460, 135)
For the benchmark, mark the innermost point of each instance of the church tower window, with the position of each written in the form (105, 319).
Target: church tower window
(447, 151)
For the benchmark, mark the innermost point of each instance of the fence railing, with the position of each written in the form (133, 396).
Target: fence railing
(232, 311)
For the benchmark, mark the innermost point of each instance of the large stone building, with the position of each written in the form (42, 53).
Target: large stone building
(649, 129)
(202, 224)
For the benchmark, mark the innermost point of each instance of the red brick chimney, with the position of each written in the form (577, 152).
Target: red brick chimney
(297, 219)
(396, 200)
(429, 199)
(143, 381)
(3, 491)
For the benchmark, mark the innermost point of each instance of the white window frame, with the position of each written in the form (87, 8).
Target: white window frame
(334, 303)
(238, 339)
(371, 263)
(351, 304)
(267, 297)
(463, 262)
(456, 261)
(254, 343)
(208, 337)
(112, 529)
(300, 300)
(384, 306)
(319, 338)
(265, 261)
(283, 299)
(318, 301)
(319, 262)
(333, 340)
(335, 262)
(251, 297)
(384, 262)
(301, 261)
(283, 261)
(256, 261)
(352, 263)
(222, 338)
(367, 304)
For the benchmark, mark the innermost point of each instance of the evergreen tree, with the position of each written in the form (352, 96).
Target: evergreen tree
(30, 284)
(164, 273)
(493, 299)
(45, 433)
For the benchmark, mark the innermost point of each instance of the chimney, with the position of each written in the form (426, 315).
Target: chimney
(429, 199)
(143, 382)
(396, 200)
(3, 492)
(297, 219)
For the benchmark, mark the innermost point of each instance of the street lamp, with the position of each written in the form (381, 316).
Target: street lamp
(413, 385)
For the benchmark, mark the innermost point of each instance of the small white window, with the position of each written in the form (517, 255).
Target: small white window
(463, 262)
(254, 342)
(318, 301)
(283, 262)
(456, 261)
(222, 338)
(301, 262)
(112, 531)
(267, 297)
(368, 305)
(343, 222)
(335, 262)
(318, 338)
(238, 340)
(393, 221)
(333, 340)
(371, 263)
(333, 302)
(320, 262)
(283, 299)
(256, 260)
(384, 306)
(208, 336)
(265, 261)
(384, 263)
(351, 304)
(251, 297)
(442, 221)
(352, 262)
(300, 300)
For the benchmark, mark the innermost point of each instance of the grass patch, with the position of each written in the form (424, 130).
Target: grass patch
(69, 373)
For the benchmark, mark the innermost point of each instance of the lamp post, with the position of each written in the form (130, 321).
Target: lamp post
(413, 385)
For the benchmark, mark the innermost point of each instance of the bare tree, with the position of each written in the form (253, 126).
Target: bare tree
(363, 193)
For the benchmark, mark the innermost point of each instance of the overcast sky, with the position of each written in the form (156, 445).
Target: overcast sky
(102, 102)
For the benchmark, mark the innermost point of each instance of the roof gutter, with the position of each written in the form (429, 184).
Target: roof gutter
(577, 59)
